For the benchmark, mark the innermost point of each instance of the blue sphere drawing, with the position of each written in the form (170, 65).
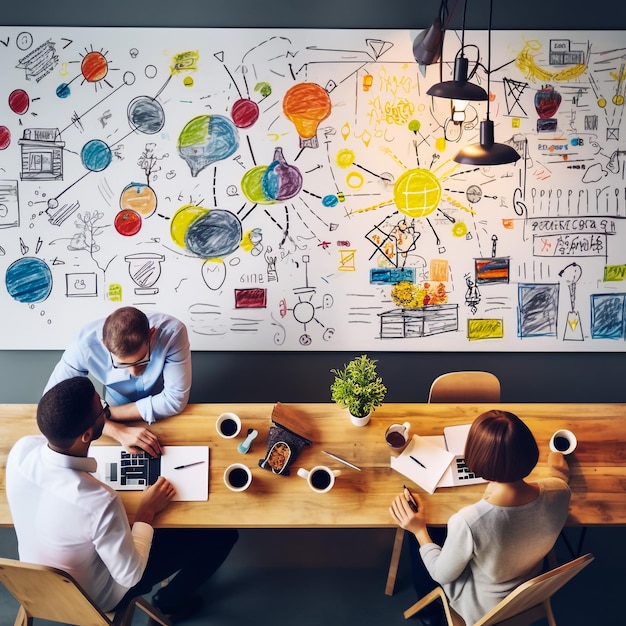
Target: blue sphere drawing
(28, 280)
(96, 155)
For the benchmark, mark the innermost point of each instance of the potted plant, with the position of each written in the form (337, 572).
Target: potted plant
(358, 388)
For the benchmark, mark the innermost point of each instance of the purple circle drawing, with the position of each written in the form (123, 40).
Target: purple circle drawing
(28, 280)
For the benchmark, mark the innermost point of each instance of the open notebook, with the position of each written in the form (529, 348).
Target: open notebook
(186, 467)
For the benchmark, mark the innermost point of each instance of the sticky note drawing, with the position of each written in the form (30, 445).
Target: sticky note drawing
(283, 189)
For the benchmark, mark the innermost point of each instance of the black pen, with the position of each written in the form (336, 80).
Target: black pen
(410, 499)
(188, 465)
(418, 462)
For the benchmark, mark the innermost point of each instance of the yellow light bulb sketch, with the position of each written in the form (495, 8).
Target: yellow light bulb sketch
(417, 193)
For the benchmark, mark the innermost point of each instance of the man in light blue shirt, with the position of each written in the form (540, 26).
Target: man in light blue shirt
(144, 363)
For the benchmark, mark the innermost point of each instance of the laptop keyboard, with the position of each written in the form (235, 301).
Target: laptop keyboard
(138, 469)
(462, 471)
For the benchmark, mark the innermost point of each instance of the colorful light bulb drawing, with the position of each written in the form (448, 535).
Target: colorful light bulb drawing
(276, 182)
(306, 105)
(206, 139)
(206, 233)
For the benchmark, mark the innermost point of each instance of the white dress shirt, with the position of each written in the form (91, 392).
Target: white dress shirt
(65, 518)
(161, 390)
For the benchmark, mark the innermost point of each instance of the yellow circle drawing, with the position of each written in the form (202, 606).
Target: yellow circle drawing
(354, 180)
(459, 229)
(417, 193)
(345, 158)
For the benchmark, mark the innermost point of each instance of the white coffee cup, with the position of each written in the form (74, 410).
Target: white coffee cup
(228, 425)
(320, 478)
(397, 435)
(563, 441)
(237, 477)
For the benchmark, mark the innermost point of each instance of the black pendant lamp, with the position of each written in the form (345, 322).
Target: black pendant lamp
(487, 152)
(459, 88)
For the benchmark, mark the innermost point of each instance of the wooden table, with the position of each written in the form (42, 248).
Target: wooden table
(361, 499)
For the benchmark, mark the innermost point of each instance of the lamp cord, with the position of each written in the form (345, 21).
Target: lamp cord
(489, 57)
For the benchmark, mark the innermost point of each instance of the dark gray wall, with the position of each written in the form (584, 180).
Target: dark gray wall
(302, 376)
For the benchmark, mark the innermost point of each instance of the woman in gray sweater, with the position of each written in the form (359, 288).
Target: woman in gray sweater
(499, 542)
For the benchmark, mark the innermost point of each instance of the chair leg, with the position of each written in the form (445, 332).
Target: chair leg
(395, 561)
(152, 611)
(22, 619)
(549, 614)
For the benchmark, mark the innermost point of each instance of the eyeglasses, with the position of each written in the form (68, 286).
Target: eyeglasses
(121, 366)
(106, 410)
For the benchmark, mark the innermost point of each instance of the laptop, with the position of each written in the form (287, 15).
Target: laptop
(186, 467)
(457, 474)
(124, 471)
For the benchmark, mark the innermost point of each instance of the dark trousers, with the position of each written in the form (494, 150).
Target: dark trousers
(422, 582)
(195, 553)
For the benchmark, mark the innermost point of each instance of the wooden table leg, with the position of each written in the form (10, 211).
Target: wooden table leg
(395, 561)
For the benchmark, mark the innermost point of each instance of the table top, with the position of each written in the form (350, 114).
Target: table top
(361, 499)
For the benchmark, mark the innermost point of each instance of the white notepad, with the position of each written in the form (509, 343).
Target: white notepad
(191, 482)
(423, 462)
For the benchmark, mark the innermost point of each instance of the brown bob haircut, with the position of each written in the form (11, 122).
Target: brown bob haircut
(500, 447)
(125, 331)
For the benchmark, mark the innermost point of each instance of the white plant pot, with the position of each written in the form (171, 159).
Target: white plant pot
(360, 421)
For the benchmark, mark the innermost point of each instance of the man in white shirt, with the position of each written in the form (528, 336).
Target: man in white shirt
(144, 363)
(64, 517)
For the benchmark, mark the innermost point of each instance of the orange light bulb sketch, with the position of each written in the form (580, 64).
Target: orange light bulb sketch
(306, 105)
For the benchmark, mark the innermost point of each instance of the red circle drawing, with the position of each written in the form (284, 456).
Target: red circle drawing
(5, 137)
(127, 222)
(19, 101)
(244, 113)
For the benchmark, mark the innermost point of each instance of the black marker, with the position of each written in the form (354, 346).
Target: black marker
(410, 499)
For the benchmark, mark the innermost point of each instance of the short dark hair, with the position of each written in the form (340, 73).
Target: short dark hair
(500, 447)
(125, 331)
(66, 410)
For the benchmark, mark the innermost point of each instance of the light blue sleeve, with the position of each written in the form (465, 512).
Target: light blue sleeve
(176, 379)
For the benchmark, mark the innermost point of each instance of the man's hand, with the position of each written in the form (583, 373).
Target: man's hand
(133, 438)
(154, 499)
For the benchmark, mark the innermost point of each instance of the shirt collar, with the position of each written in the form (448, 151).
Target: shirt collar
(84, 464)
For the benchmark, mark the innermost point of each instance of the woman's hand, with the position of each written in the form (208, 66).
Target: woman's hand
(401, 513)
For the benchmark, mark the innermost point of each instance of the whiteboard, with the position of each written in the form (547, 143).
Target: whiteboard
(296, 189)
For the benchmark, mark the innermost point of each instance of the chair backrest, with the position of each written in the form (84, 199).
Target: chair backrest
(51, 594)
(534, 592)
(465, 387)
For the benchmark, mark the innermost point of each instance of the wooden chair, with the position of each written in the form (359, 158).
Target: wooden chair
(469, 386)
(48, 593)
(522, 607)
(465, 387)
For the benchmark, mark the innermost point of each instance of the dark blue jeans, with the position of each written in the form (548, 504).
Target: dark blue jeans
(195, 553)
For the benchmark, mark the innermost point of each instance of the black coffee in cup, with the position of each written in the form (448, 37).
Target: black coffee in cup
(320, 479)
(228, 427)
(395, 439)
(238, 477)
(561, 443)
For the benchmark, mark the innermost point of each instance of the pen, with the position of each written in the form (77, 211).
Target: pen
(418, 462)
(337, 458)
(188, 465)
(410, 499)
